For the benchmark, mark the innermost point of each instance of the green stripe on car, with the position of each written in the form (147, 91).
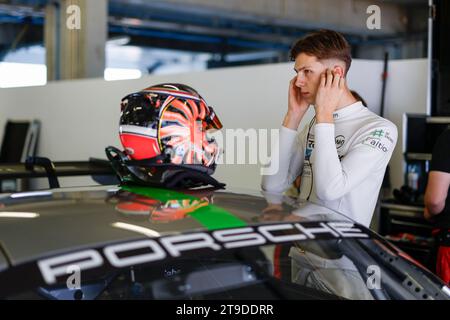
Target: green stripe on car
(211, 217)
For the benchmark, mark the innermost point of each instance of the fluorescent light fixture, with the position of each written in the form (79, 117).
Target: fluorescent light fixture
(31, 194)
(113, 74)
(21, 215)
(119, 41)
(13, 75)
(131, 227)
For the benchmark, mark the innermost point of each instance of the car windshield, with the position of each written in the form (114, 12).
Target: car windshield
(311, 269)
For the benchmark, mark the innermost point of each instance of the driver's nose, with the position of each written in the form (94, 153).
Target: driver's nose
(300, 81)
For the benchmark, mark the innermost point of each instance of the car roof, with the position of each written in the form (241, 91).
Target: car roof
(52, 222)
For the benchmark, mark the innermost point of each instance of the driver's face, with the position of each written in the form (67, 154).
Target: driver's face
(308, 69)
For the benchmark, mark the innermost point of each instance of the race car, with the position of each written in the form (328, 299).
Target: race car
(169, 230)
(136, 242)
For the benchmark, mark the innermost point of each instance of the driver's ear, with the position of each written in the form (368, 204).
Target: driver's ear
(338, 70)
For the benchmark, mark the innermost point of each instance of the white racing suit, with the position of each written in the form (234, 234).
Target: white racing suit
(342, 165)
(339, 277)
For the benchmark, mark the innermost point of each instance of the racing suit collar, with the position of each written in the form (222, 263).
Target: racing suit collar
(348, 110)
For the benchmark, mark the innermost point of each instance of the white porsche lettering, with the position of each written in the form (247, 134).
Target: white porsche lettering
(156, 253)
(176, 244)
(56, 267)
(149, 250)
(236, 238)
(347, 230)
(267, 232)
(310, 232)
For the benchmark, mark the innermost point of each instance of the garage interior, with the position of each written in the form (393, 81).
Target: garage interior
(61, 81)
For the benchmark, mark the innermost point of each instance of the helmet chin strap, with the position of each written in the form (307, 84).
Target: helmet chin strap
(174, 176)
(190, 179)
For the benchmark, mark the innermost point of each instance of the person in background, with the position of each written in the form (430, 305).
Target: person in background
(437, 203)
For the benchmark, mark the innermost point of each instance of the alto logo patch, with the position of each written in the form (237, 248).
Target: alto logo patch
(378, 134)
(379, 139)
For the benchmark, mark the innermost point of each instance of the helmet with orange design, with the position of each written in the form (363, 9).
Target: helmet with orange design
(165, 132)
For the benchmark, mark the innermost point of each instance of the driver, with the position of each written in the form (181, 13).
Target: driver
(343, 153)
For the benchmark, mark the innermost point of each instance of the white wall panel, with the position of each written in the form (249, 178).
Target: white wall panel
(80, 118)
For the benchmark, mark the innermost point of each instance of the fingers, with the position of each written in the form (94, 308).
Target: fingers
(323, 79)
(294, 91)
(338, 81)
(292, 85)
(341, 83)
(329, 78)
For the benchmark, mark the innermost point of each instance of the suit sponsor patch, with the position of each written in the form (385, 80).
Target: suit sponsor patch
(379, 139)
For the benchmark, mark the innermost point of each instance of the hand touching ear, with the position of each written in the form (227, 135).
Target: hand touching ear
(338, 71)
(329, 93)
(296, 103)
(297, 106)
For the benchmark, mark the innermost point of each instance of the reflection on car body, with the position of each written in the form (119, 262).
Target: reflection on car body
(225, 248)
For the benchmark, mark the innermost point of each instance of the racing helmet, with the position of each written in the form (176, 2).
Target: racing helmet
(164, 130)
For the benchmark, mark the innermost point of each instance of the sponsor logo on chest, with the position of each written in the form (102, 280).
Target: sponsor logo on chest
(338, 140)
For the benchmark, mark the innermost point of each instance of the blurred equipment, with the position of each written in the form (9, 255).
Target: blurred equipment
(440, 53)
(401, 218)
(420, 134)
(386, 185)
(405, 226)
(38, 167)
(19, 142)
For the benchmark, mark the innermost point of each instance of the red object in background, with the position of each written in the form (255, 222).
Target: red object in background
(276, 262)
(443, 264)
